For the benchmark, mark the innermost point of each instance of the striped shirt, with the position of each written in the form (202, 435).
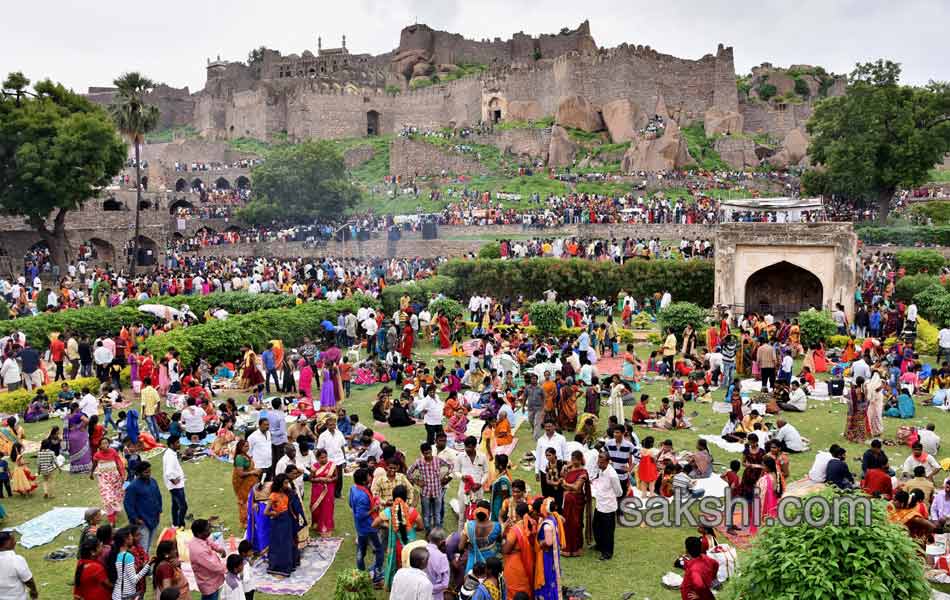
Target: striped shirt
(431, 475)
(620, 456)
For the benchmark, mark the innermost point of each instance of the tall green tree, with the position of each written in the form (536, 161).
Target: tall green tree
(300, 182)
(878, 137)
(57, 150)
(134, 118)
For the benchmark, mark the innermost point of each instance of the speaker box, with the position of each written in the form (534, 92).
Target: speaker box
(395, 234)
(430, 231)
(362, 235)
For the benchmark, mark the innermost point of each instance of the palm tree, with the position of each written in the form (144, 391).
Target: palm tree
(134, 118)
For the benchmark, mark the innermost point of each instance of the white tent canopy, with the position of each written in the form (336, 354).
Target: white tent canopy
(788, 210)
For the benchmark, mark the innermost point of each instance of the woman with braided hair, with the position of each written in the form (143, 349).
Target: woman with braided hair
(402, 521)
(481, 535)
(550, 539)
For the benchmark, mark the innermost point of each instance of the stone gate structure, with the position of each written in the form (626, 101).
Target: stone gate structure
(783, 268)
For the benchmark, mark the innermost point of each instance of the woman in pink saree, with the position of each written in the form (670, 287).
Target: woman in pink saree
(323, 486)
(768, 493)
(305, 384)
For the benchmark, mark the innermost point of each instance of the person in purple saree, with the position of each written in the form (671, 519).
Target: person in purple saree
(77, 440)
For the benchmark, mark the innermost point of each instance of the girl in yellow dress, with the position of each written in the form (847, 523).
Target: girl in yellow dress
(23, 481)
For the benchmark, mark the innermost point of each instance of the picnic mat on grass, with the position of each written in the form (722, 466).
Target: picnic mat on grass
(315, 560)
(803, 487)
(44, 528)
(467, 348)
(740, 539)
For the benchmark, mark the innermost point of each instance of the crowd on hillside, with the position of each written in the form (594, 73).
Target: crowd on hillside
(617, 250)
(197, 166)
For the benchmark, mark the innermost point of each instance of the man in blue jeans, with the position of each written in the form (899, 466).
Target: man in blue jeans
(175, 481)
(270, 365)
(143, 503)
(434, 474)
(361, 503)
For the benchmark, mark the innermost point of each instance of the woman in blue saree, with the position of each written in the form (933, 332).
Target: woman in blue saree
(258, 524)
(402, 521)
(547, 573)
(501, 486)
(282, 554)
(481, 536)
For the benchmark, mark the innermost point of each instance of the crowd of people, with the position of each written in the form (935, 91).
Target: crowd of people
(198, 166)
(617, 250)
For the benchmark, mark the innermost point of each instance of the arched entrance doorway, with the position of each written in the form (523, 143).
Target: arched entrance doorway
(242, 183)
(97, 249)
(372, 123)
(180, 203)
(782, 289)
(111, 205)
(222, 184)
(181, 185)
(197, 185)
(494, 110)
(148, 251)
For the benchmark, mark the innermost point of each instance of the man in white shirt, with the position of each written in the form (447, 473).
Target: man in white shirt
(174, 477)
(333, 441)
(431, 409)
(919, 458)
(788, 436)
(102, 357)
(550, 439)
(943, 343)
(260, 448)
(715, 364)
(193, 419)
(797, 400)
(472, 464)
(412, 583)
(10, 373)
(929, 440)
(289, 459)
(860, 368)
(88, 404)
(16, 580)
(605, 489)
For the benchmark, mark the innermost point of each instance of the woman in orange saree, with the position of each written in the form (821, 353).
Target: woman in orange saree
(519, 553)
(445, 336)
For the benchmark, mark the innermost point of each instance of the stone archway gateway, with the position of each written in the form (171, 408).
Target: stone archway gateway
(372, 123)
(782, 290)
(783, 268)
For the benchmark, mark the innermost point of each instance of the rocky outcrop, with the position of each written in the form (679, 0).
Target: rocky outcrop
(422, 69)
(562, 149)
(404, 63)
(622, 119)
(577, 113)
(525, 110)
(658, 154)
(719, 122)
(794, 149)
(738, 153)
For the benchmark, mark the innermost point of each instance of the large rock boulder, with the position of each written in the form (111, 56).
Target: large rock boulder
(422, 69)
(738, 153)
(562, 149)
(576, 112)
(658, 154)
(622, 119)
(525, 110)
(794, 149)
(720, 122)
(404, 62)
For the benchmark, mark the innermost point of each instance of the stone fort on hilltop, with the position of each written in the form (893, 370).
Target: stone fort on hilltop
(436, 79)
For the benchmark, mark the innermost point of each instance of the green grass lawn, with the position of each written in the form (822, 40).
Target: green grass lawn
(642, 554)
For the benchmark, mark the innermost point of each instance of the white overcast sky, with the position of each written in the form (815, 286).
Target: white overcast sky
(90, 43)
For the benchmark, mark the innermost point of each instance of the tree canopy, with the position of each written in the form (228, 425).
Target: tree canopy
(300, 182)
(878, 137)
(57, 150)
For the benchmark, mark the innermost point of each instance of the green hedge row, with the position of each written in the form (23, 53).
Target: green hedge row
(222, 340)
(687, 281)
(938, 235)
(233, 302)
(92, 321)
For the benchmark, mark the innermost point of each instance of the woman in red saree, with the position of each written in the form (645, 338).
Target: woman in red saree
(405, 346)
(323, 480)
(575, 482)
(445, 336)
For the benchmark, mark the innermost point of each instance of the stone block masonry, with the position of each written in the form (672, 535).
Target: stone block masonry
(412, 157)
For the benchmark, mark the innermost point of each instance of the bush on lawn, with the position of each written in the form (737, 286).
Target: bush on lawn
(687, 281)
(452, 309)
(547, 317)
(233, 302)
(816, 326)
(928, 298)
(678, 315)
(353, 584)
(843, 561)
(492, 250)
(920, 261)
(938, 235)
(420, 291)
(17, 401)
(217, 341)
(907, 287)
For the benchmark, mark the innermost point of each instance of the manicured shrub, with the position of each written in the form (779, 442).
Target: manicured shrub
(678, 315)
(92, 321)
(547, 317)
(816, 326)
(927, 299)
(492, 250)
(687, 281)
(420, 290)
(908, 287)
(920, 261)
(832, 561)
(233, 302)
(18, 401)
(938, 235)
(448, 307)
